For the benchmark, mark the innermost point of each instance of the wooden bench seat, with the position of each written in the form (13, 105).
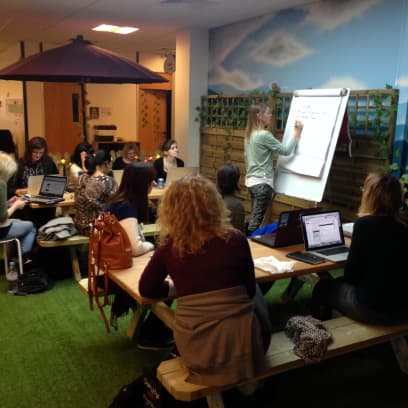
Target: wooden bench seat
(149, 230)
(348, 335)
(71, 243)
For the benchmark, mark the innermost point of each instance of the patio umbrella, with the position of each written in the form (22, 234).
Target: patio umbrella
(81, 62)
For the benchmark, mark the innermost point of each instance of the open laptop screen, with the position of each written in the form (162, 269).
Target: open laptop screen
(53, 186)
(322, 230)
(175, 173)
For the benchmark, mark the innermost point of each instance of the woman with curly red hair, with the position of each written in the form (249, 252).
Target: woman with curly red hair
(211, 266)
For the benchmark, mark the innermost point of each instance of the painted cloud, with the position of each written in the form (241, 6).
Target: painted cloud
(280, 49)
(231, 36)
(330, 14)
(343, 82)
(236, 79)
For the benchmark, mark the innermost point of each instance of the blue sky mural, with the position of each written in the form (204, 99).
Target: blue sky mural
(326, 44)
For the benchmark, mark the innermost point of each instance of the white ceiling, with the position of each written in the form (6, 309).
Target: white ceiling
(54, 22)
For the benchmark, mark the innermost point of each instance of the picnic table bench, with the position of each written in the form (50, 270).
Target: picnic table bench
(348, 335)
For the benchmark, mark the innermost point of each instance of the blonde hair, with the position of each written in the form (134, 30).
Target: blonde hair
(192, 212)
(253, 122)
(8, 167)
(382, 195)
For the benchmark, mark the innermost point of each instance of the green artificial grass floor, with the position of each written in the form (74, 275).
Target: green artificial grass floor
(55, 353)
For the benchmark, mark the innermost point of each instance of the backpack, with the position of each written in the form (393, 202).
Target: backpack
(34, 280)
(146, 391)
(109, 248)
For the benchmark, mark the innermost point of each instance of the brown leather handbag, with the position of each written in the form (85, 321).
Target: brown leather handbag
(109, 248)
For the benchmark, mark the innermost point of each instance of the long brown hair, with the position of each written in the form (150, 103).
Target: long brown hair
(192, 212)
(253, 118)
(382, 195)
(134, 187)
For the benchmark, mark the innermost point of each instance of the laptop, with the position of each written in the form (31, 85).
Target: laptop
(51, 191)
(323, 235)
(175, 173)
(289, 230)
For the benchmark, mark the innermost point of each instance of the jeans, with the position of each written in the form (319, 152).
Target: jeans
(25, 231)
(342, 296)
(261, 197)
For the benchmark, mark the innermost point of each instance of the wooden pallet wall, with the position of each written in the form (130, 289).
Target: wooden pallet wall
(371, 115)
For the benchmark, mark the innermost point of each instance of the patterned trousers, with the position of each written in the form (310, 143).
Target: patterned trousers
(261, 197)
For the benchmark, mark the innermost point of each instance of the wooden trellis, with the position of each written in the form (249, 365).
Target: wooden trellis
(371, 117)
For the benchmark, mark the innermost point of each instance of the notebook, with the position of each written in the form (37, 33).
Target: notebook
(175, 173)
(348, 229)
(289, 230)
(51, 191)
(323, 235)
(117, 175)
(34, 184)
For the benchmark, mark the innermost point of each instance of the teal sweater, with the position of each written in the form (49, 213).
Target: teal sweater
(259, 153)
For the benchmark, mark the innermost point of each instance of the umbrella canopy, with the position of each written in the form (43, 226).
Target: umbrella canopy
(80, 62)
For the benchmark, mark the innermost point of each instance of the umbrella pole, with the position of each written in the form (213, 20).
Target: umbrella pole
(83, 109)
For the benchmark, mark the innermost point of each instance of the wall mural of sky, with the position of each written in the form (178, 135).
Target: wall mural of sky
(327, 44)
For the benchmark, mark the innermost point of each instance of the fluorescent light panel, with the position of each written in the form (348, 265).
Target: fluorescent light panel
(115, 29)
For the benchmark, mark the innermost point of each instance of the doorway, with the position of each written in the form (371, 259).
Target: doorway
(63, 117)
(154, 116)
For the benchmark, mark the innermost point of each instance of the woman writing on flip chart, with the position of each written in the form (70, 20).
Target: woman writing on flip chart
(260, 146)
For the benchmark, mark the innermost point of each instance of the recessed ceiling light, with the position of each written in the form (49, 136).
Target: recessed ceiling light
(115, 29)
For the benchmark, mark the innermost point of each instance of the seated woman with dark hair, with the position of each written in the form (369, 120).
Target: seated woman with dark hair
(373, 289)
(130, 203)
(130, 154)
(227, 184)
(78, 163)
(93, 190)
(219, 336)
(168, 160)
(35, 161)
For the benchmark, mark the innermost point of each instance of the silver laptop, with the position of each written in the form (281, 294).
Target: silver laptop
(323, 235)
(175, 173)
(51, 191)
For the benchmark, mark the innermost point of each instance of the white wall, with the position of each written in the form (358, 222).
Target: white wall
(120, 101)
(11, 90)
(191, 82)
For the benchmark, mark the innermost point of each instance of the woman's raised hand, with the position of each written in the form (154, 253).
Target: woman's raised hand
(298, 129)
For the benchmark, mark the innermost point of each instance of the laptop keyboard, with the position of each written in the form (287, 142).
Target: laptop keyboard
(333, 251)
(42, 197)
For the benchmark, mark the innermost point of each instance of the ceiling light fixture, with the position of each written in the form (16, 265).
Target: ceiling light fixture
(115, 29)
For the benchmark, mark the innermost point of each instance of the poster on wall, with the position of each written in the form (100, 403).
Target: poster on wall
(93, 112)
(15, 106)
